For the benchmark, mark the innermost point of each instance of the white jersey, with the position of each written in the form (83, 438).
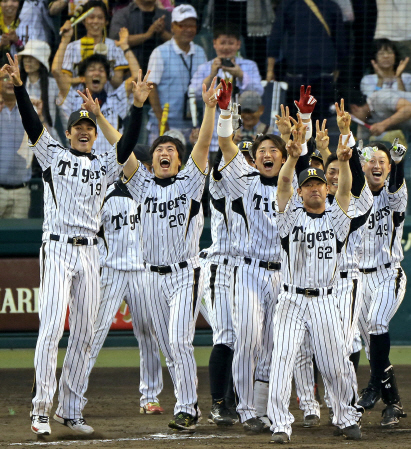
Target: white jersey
(254, 229)
(119, 245)
(73, 56)
(311, 244)
(384, 228)
(171, 214)
(75, 184)
(114, 109)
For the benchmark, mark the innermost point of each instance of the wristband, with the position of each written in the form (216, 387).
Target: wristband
(305, 115)
(225, 111)
(309, 130)
(225, 127)
(351, 140)
(304, 149)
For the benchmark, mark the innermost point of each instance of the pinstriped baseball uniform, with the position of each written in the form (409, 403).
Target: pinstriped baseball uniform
(74, 187)
(171, 224)
(256, 280)
(383, 278)
(310, 245)
(123, 277)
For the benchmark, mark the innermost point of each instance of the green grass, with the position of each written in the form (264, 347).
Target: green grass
(129, 357)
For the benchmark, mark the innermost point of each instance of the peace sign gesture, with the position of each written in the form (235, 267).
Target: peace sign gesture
(12, 69)
(343, 118)
(321, 136)
(89, 104)
(141, 89)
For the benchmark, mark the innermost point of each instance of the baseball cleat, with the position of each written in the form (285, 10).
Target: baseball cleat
(391, 415)
(40, 425)
(311, 421)
(369, 397)
(151, 408)
(352, 432)
(220, 415)
(280, 438)
(78, 425)
(183, 422)
(253, 425)
(330, 415)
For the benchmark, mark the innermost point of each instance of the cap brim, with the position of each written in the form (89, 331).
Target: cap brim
(84, 118)
(311, 177)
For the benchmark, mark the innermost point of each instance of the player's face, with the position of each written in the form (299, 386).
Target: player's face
(268, 159)
(95, 77)
(30, 64)
(166, 162)
(333, 171)
(9, 7)
(82, 136)
(95, 22)
(226, 46)
(313, 192)
(376, 170)
(315, 163)
(185, 31)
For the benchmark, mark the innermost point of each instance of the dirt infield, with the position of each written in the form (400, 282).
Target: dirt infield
(113, 410)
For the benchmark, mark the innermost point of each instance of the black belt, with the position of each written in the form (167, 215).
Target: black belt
(373, 270)
(264, 264)
(76, 241)
(8, 187)
(308, 291)
(343, 274)
(203, 255)
(166, 269)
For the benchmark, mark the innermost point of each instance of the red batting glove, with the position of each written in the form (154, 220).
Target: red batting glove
(306, 104)
(224, 95)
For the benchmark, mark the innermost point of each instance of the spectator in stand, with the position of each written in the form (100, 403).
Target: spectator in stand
(310, 37)
(386, 110)
(42, 89)
(95, 70)
(393, 23)
(242, 73)
(67, 9)
(251, 111)
(95, 42)
(177, 59)
(9, 21)
(16, 156)
(389, 70)
(148, 27)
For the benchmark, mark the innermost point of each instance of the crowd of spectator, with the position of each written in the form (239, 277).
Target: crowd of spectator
(359, 50)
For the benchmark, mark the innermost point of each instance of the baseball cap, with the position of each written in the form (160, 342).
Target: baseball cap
(76, 116)
(245, 145)
(183, 12)
(142, 152)
(310, 173)
(250, 101)
(39, 50)
(317, 155)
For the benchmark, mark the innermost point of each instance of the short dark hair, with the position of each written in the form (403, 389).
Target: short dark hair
(227, 29)
(381, 147)
(331, 158)
(383, 44)
(96, 4)
(276, 140)
(165, 139)
(93, 59)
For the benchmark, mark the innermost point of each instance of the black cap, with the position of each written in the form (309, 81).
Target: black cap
(82, 114)
(317, 155)
(309, 173)
(142, 152)
(245, 145)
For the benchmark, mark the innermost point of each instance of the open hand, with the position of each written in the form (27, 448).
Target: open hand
(284, 123)
(123, 38)
(401, 67)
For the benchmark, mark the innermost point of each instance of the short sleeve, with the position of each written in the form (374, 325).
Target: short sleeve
(363, 203)
(236, 172)
(286, 219)
(398, 200)
(406, 79)
(45, 149)
(113, 168)
(340, 221)
(156, 66)
(120, 61)
(137, 183)
(194, 179)
(68, 61)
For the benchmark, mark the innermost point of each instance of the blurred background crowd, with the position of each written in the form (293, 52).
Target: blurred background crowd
(358, 50)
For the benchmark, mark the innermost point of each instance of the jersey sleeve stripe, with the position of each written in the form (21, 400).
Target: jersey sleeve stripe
(339, 205)
(134, 172)
(67, 72)
(393, 193)
(37, 141)
(221, 169)
(121, 67)
(205, 173)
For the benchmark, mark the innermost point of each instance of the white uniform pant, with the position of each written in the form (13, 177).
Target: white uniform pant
(117, 285)
(383, 291)
(69, 276)
(174, 306)
(217, 285)
(320, 316)
(349, 295)
(255, 295)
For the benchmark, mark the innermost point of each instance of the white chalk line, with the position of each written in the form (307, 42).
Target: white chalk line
(157, 436)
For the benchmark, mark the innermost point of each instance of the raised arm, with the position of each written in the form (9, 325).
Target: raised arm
(285, 177)
(31, 121)
(322, 140)
(225, 126)
(202, 146)
(63, 79)
(343, 193)
(133, 64)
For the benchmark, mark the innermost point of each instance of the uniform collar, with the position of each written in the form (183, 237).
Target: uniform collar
(164, 182)
(269, 181)
(77, 153)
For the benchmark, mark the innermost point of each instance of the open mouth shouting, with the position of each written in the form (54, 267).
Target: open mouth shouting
(164, 163)
(268, 164)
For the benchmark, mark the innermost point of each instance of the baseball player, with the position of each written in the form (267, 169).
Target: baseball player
(219, 263)
(257, 279)
(311, 240)
(75, 181)
(171, 223)
(122, 276)
(383, 279)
